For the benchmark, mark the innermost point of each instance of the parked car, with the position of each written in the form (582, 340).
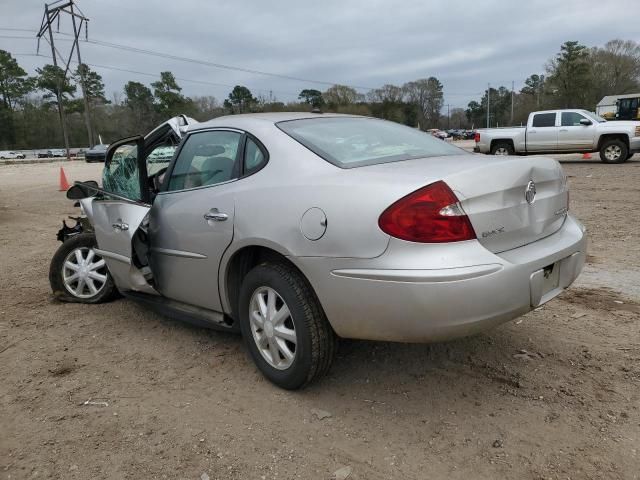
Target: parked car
(96, 153)
(438, 133)
(564, 131)
(469, 134)
(6, 155)
(298, 228)
(56, 152)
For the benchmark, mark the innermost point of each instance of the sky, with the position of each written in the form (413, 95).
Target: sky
(466, 44)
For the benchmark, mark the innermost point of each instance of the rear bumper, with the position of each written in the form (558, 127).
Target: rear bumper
(426, 293)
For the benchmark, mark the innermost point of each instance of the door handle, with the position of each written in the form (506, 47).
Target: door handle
(215, 215)
(120, 226)
(564, 130)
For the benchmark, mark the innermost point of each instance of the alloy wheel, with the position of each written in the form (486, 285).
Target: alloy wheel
(501, 151)
(273, 328)
(612, 152)
(84, 273)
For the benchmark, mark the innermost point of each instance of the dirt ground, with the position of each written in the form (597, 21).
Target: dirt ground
(116, 392)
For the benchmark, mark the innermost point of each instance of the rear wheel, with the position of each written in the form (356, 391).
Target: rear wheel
(614, 151)
(284, 327)
(78, 274)
(502, 148)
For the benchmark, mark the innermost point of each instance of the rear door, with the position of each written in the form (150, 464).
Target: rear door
(572, 135)
(542, 133)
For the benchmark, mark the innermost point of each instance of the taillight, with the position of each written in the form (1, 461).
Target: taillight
(430, 215)
(476, 137)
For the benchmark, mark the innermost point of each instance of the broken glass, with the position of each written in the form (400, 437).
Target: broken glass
(121, 175)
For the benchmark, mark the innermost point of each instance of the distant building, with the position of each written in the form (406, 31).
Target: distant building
(608, 103)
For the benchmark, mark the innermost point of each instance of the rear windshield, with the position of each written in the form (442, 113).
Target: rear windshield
(355, 142)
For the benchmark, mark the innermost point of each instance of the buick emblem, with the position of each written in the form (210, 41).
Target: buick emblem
(530, 192)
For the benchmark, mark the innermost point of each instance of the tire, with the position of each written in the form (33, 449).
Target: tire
(630, 155)
(614, 151)
(502, 148)
(66, 253)
(315, 341)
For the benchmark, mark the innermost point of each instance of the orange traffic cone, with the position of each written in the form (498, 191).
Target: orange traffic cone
(64, 184)
(586, 156)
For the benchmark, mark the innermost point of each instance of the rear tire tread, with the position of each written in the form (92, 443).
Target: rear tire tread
(323, 339)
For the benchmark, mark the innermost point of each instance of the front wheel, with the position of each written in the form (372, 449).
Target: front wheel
(78, 274)
(502, 148)
(614, 151)
(284, 326)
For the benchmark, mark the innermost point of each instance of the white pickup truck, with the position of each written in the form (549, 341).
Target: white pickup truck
(563, 131)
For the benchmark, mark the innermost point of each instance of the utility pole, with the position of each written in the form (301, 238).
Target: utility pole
(52, 12)
(448, 117)
(488, 105)
(513, 85)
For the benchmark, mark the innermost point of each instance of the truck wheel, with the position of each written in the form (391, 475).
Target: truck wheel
(614, 151)
(78, 274)
(284, 326)
(502, 148)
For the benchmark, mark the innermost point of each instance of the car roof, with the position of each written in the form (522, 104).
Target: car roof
(261, 118)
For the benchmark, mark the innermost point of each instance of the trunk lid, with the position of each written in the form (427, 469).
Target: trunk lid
(514, 202)
(492, 192)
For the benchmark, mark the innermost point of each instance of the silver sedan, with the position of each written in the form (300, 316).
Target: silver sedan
(299, 228)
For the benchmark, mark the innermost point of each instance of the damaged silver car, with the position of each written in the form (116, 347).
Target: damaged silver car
(298, 228)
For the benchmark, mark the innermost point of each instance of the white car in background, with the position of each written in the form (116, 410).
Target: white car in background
(5, 155)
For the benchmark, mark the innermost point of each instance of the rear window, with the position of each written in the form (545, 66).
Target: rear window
(544, 120)
(354, 142)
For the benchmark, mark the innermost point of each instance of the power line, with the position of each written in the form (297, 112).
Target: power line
(203, 82)
(222, 66)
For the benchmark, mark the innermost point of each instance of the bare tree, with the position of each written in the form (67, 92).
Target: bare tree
(427, 95)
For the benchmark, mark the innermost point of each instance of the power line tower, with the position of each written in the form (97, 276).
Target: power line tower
(52, 14)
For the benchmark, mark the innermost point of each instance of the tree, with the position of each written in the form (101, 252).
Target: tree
(427, 95)
(312, 97)
(458, 118)
(534, 86)
(53, 81)
(168, 99)
(14, 86)
(14, 83)
(240, 100)
(570, 75)
(206, 107)
(387, 102)
(476, 113)
(139, 101)
(341, 95)
(615, 68)
(93, 85)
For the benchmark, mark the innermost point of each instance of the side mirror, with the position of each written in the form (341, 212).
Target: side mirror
(82, 190)
(586, 122)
